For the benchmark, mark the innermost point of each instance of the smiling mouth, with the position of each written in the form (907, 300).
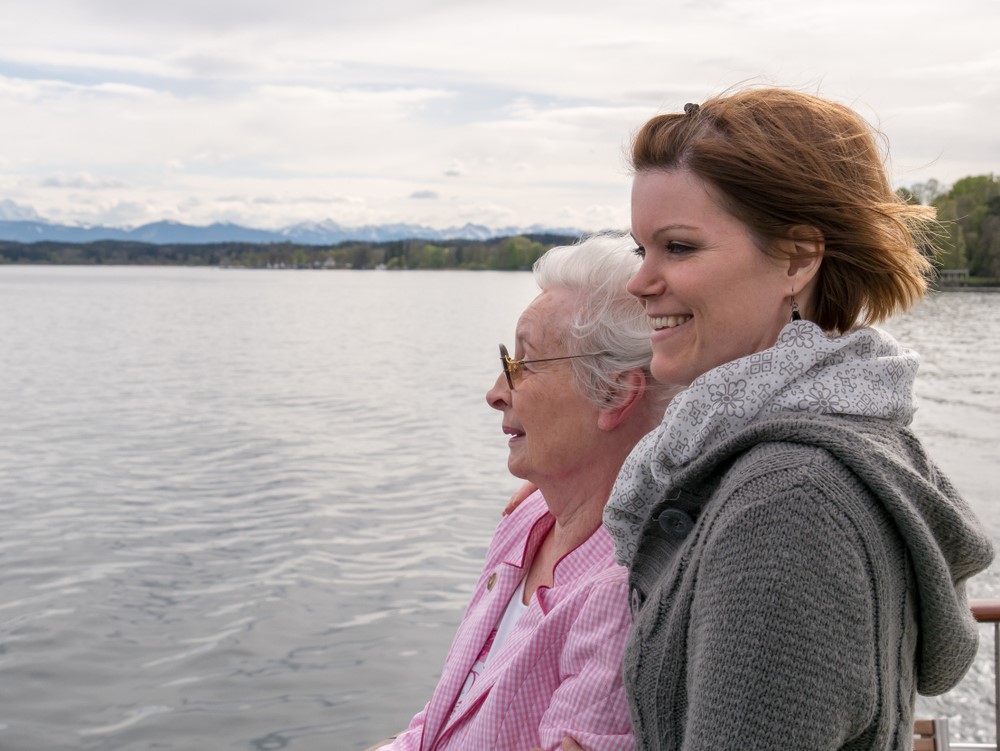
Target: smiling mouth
(667, 322)
(512, 432)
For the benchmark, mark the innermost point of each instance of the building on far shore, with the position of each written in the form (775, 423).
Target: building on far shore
(952, 276)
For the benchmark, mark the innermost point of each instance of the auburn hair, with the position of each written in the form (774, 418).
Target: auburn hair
(780, 161)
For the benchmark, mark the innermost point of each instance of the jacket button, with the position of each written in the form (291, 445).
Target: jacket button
(636, 601)
(675, 523)
(491, 581)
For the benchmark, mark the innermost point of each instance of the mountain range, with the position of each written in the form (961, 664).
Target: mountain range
(311, 233)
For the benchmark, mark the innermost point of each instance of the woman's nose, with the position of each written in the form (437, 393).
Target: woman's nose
(498, 396)
(646, 282)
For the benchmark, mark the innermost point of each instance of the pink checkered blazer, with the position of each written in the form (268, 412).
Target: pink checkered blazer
(558, 673)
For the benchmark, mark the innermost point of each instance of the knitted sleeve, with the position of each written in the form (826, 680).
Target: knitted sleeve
(781, 650)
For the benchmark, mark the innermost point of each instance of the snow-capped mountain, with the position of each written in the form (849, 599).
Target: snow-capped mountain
(30, 230)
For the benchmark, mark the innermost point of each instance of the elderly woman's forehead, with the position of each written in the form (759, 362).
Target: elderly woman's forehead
(547, 314)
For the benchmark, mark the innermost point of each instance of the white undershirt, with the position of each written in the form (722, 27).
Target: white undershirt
(515, 609)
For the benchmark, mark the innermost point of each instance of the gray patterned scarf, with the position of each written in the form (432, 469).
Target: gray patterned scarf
(864, 372)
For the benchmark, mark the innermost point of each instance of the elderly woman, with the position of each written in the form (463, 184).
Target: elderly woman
(538, 653)
(797, 562)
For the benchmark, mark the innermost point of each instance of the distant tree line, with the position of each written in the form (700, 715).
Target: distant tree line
(501, 254)
(969, 223)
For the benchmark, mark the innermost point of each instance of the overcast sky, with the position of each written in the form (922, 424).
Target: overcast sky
(436, 112)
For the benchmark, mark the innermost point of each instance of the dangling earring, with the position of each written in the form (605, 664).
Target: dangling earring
(795, 310)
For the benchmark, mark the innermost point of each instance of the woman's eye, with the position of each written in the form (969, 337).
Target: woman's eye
(640, 251)
(676, 247)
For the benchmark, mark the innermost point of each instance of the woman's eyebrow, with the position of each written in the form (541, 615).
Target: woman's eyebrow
(672, 227)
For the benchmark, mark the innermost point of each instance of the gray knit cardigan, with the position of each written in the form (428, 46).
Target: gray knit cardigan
(803, 580)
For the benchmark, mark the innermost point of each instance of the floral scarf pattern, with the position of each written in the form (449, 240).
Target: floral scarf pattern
(865, 372)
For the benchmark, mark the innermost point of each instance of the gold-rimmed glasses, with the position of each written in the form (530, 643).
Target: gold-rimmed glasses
(512, 367)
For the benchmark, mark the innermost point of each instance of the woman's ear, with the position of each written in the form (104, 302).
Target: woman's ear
(804, 249)
(622, 401)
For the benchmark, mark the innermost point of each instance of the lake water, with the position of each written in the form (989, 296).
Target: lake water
(245, 509)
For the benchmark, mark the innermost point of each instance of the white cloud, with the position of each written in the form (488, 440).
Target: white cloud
(14, 212)
(82, 181)
(51, 59)
(513, 114)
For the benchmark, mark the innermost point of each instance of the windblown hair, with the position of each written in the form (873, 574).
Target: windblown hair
(780, 161)
(606, 318)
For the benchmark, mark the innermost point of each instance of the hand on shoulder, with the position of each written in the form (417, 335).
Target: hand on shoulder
(519, 497)
(568, 744)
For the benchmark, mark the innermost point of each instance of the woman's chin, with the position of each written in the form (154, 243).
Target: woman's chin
(516, 470)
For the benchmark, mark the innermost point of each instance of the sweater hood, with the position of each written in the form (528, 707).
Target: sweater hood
(944, 538)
